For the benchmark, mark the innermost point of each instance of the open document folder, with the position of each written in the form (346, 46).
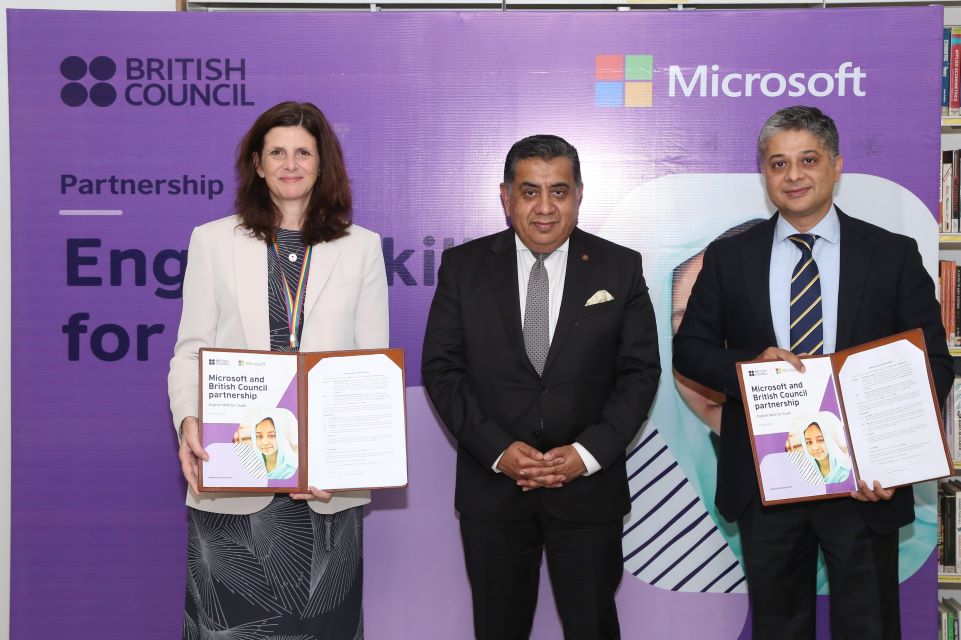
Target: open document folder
(866, 413)
(280, 422)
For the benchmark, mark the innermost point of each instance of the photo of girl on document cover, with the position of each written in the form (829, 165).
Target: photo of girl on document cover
(818, 449)
(266, 443)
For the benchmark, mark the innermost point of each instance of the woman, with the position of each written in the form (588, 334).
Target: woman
(289, 271)
(833, 465)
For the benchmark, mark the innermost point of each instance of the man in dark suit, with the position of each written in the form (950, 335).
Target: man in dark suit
(541, 358)
(863, 283)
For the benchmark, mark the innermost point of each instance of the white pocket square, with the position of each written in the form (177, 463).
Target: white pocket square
(599, 297)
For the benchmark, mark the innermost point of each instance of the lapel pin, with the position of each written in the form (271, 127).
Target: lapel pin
(584, 257)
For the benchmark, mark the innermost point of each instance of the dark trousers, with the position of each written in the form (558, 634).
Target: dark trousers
(780, 546)
(584, 561)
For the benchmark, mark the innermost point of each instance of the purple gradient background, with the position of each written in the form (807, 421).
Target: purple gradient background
(426, 105)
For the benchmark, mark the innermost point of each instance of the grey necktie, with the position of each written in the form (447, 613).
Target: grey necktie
(536, 311)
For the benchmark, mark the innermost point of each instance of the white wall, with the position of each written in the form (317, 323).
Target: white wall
(95, 5)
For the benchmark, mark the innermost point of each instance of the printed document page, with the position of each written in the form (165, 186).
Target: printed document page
(356, 437)
(891, 415)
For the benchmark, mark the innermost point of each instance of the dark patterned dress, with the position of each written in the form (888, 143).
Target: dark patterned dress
(285, 572)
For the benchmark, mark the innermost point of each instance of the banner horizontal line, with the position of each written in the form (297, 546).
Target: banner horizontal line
(91, 212)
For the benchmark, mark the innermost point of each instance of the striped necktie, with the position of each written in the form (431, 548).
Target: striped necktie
(807, 321)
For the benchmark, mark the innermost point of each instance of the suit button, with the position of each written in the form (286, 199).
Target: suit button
(543, 388)
(536, 434)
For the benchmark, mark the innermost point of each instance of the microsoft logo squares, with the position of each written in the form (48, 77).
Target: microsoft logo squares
(623, 80)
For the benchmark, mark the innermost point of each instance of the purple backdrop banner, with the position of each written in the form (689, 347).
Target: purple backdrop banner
(123, 129)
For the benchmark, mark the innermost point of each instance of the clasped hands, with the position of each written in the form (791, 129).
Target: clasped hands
(532, 469)
(877, 493)
(192, 452)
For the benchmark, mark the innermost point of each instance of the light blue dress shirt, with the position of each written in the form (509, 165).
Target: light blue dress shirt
(785, 255)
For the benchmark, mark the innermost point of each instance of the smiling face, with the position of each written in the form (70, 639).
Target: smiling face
(799, 175)
(266, 437)
(289, 164)
(814, 440)
(542, 202)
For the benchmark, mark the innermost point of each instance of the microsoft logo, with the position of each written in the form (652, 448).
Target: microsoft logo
(623, 80)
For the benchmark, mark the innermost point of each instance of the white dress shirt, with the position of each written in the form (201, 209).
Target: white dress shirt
(556, 266)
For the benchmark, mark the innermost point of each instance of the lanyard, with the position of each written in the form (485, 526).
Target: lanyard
(291, 301)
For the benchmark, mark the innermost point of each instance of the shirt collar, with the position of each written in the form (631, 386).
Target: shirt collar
(829, 228)
(523, 247)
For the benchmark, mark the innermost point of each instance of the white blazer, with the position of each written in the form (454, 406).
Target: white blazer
(225, 305)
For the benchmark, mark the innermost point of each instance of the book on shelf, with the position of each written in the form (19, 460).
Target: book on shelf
(950, 621)
(942, 620)
(950, 200)
(946, 190)
(955, 187)
(954, 100)
(953, 519)
(949, 295)
(940, 522)
(945, 71)
(951, 283)
(956, 303)
(949, 518)
(950, 419)
(953, 630)
(955, 407)
(949, 536)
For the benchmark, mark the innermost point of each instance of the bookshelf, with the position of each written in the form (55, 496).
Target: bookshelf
(949, 248)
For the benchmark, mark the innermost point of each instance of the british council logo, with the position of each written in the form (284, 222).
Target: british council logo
(75, 92)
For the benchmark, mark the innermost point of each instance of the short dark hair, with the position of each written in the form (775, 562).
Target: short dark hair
(328, 211)
(544, 146)
(797, 118)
